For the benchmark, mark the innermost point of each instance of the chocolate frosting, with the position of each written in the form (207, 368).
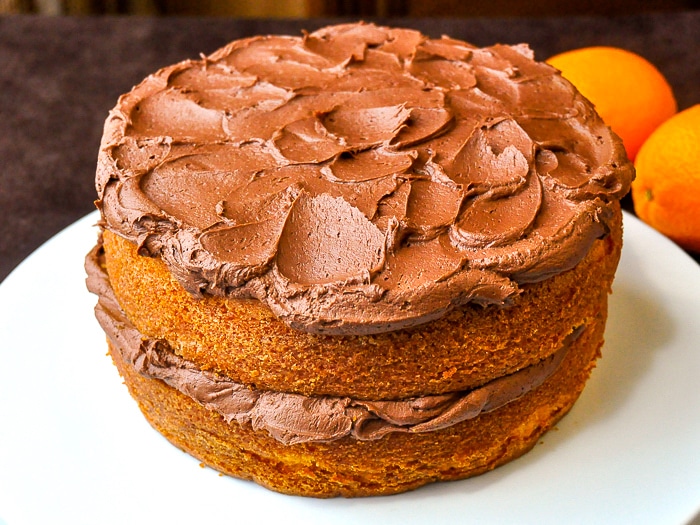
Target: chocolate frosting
(294, 418)
(360, 179)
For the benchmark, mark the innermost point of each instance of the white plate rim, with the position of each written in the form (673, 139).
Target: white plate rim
(73, 439)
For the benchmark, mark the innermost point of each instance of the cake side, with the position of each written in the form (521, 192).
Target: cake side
(357, 465)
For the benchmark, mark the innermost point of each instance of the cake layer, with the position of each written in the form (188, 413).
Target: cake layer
(242, 340)
(360, 179)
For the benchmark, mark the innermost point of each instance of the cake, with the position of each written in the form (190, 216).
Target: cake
(356, 261)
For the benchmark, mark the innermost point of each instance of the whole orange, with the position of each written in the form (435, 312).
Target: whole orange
(629, 93)
(666, 192)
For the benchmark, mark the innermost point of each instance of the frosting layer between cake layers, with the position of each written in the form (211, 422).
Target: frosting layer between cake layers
(360, 179)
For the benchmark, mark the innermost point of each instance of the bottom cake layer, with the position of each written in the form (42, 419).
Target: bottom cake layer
(350, 467)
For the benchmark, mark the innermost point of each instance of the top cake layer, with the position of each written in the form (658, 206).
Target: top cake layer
(360, 179)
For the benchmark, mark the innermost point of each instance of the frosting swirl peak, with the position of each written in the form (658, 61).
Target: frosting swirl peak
(360, 179)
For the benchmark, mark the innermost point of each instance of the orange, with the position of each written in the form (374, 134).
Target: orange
(629, 93)
(666, 192)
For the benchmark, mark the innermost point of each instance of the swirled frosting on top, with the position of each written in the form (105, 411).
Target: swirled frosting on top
(360, 179)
